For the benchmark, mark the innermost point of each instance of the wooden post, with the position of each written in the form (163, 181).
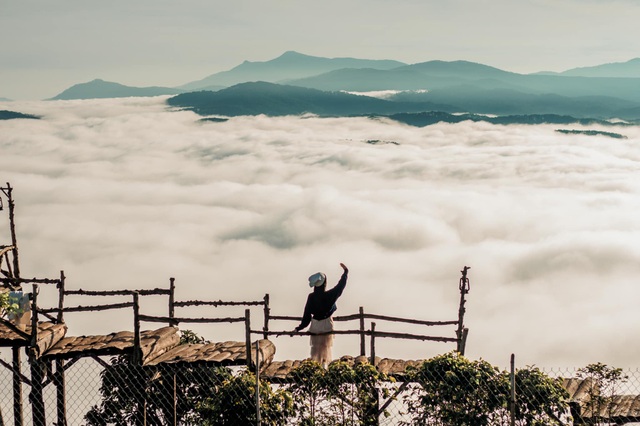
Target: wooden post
(512, 399)
(373, 344)
(463, 343)
(60, 318)
(372, 402)
(61, 393)
(464, 288)
(136, 356)
(258, 420)
(362, 339)
(37, 401)
(172, 289)
(17, 387)
(12, 226)
(34, 317)
(247, 332)
(175, 398)
(267, 311)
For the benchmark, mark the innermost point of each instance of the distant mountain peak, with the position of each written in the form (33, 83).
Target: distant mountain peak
(292, 53)
(628, 69)
(98, 88)
(288, 66)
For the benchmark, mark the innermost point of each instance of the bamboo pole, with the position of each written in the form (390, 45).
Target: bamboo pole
(362, 339)
(61, 396)
(91, 308)
(34, 317)
(172, 290)
(37, 401)
(217, 303)
(370, 316)
(12, 225)
(373, 344)
(137, 355)
(61, 298)
(150, 318)
(371, 409)
(247, 330)
(512, 398)
(175, 398)
(141, 292)
(18, 419)
(463, 345)
(258, 420)
(267, 311)
(464, 288)
(29, 280)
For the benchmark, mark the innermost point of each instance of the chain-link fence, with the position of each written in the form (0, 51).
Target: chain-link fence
(445, 390)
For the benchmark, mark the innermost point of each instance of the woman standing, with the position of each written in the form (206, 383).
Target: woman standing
(321, 304)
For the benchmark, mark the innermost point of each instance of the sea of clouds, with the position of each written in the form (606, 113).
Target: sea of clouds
(127, 193)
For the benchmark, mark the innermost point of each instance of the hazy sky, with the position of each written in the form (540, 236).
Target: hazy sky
(122, 193)
(48, 46)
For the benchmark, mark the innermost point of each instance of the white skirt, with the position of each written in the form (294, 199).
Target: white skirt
(321, 345)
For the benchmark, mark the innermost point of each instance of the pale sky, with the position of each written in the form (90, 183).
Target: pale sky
(49, 46)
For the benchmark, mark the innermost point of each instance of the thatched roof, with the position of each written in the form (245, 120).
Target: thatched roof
(48, 335)
(219, 353)
(621, 407)
(152, 343)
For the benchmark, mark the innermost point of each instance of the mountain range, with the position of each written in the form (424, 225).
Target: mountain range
(603, 91)
(288, 66)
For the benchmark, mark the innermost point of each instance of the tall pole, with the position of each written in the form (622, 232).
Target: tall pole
(37, 400)
(17, 387)
(267, 312)
(172, 291)
(258, 420)
(512, 398)
(12, 226)
(464, 287)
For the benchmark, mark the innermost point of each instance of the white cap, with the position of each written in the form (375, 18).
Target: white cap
(317, 279)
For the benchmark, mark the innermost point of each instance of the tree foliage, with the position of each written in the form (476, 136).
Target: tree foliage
(341, 394)
(8, 304)
(603, 381)
(131, 393)
(451, 389)
(234, 403)
(454, 390)
(540, 399)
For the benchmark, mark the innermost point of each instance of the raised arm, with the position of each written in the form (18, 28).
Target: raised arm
(339, 288)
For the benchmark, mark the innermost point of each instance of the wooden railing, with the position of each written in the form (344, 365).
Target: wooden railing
(361, 316)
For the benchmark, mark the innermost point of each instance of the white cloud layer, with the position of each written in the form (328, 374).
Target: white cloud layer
(125, 194)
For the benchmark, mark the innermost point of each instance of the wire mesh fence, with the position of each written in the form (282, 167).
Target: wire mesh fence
(445, 390)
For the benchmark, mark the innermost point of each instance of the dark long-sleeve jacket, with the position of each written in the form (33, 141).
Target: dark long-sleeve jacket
(322, 304)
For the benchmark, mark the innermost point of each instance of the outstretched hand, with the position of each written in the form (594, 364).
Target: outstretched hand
(343, 266)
